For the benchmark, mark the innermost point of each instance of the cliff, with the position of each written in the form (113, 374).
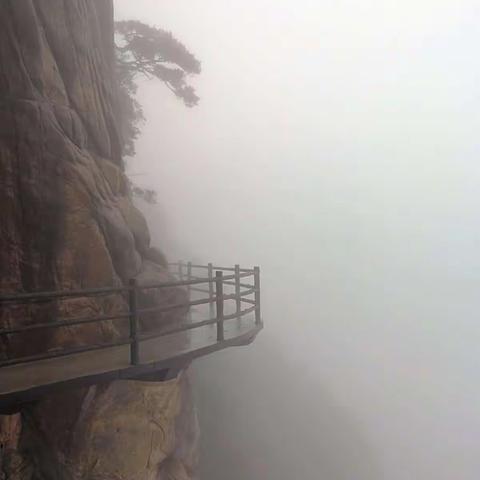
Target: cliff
(68, 222)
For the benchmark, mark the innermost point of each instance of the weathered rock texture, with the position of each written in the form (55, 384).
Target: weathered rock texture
(68, 222)
(124, 430)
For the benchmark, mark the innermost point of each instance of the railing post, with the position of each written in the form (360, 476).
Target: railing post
(238, 302)
(132, 303)
(180, 270)
(256, 274)
(210, 289)
(189, 289)
(219, 298)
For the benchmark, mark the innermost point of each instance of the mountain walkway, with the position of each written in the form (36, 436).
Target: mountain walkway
(231, 307)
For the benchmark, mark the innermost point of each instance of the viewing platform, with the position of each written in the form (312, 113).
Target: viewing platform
(222, 310)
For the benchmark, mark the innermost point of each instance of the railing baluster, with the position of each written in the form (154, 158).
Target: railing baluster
(132, 303)
(210, 289)
(180, 270)
(256, 276)
(219, 295)
(238, 301)
(189, 290)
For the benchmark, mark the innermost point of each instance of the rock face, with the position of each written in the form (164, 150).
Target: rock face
(68, 222)
(124, 430)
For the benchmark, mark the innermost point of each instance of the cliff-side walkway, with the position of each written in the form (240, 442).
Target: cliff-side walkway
(148, 354)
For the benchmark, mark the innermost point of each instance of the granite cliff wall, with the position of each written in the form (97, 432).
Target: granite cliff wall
(68, 222)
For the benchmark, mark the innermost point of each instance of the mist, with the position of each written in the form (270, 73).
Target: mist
(335, 145)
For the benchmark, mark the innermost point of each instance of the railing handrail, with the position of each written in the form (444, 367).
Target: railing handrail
(133, 313)
(52, 295)
(224, 269)
(90, 292)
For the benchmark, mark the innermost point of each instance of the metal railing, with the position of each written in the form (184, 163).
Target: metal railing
(216, 301)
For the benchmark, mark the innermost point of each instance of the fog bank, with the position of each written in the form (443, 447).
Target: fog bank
(335, 146)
